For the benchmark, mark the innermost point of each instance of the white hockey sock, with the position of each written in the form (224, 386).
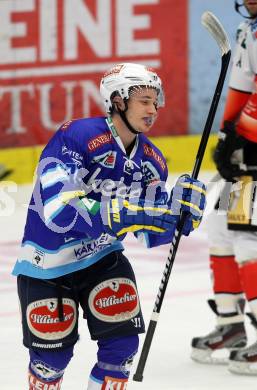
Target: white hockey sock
(93, 384)
(227, 303)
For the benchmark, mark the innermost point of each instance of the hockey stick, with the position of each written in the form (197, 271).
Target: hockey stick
(212, 24)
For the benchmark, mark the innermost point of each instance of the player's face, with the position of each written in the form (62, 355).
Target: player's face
(142, 109)
(251, 6)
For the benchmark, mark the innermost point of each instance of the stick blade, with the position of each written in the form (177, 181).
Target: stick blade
(215, 28)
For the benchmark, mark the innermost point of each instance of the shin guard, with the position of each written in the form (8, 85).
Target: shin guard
(46, 368)
(115, 357)
(226, 277)
(248, 272)
(226, 283)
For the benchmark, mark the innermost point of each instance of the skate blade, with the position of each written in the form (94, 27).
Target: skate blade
(208, 356)
(242, 368)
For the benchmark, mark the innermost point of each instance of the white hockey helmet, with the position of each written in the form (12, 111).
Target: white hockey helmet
(122, 77)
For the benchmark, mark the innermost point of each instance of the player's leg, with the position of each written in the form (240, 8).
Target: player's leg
(114, 360)
(49, 340)
(112, 307)
(245, 360)
(225, 275)
(46, 368)
(227, 289)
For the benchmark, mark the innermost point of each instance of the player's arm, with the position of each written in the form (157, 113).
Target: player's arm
(67, 207)
(241, 76)
(228, 143)
(237, 127)
(60, 189)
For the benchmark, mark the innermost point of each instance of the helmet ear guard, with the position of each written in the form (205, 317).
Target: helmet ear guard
(115, 102)
(123, 78)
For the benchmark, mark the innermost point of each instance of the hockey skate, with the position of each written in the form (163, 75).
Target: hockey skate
(244, 361)
(229, 334)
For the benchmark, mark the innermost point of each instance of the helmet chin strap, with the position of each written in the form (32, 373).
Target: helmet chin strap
(125, 119)
(237, 8)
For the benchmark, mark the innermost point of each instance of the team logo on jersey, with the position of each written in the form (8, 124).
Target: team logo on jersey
(43, 320)
(114, 300)
(38, 258)
(129, 165)
(114, 383)
(107, 159)
(150, 173)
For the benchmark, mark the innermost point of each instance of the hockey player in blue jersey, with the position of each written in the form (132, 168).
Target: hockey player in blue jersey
(97, 180)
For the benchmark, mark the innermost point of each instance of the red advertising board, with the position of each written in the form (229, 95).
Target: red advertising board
(54, 52)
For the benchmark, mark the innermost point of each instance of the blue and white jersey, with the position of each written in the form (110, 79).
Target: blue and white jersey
(83, 164)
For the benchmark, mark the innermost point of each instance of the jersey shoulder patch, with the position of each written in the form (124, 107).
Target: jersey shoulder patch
(83, 130)
(153, 153)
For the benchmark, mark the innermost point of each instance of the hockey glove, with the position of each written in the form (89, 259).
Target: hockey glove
(228, 142)
(189, 196)
(121, 216)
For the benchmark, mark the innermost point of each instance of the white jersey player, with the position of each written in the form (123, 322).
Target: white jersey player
(233, 233)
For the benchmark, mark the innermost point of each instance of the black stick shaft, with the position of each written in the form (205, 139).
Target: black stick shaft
(214, 104)
(138, 376)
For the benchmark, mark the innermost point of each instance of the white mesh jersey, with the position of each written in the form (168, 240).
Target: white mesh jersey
(244, 67)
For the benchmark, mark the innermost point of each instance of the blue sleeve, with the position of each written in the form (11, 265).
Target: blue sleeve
(59, 192)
